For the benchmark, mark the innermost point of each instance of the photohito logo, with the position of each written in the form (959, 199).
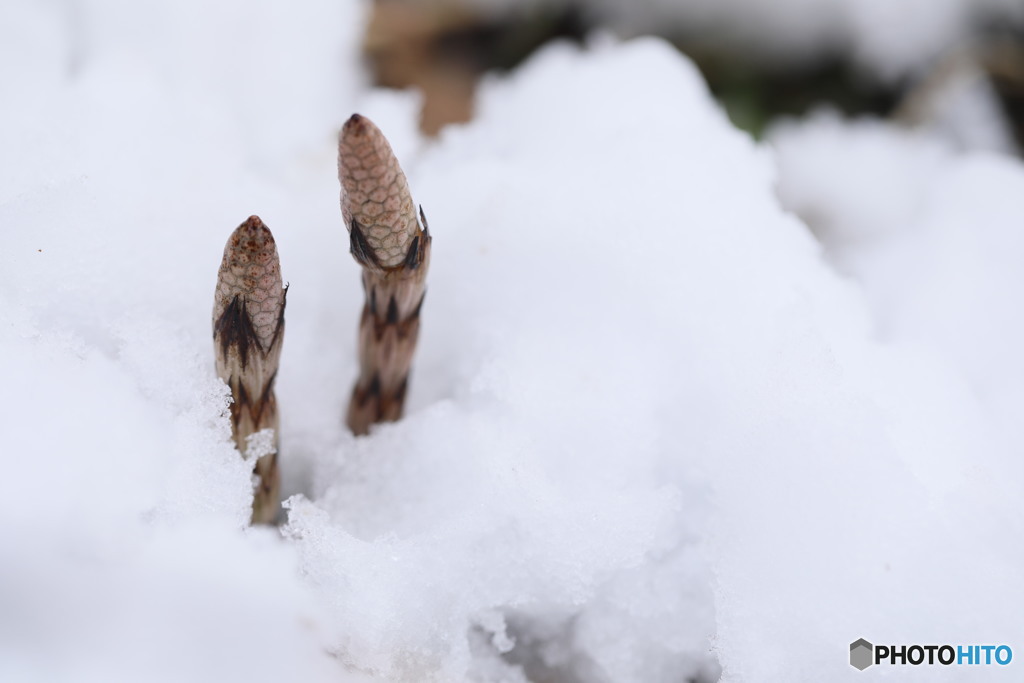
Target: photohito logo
(863, 654)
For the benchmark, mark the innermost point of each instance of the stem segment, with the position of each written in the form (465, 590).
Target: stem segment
(248, 329)
(386, 238)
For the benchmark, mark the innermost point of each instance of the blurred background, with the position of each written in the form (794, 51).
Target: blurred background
(955, 67)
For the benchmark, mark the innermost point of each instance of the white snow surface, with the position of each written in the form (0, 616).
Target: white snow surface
(655, 427)
(888, 39)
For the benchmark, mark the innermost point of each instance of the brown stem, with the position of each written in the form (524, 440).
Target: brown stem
(388, 241)
(248, 330)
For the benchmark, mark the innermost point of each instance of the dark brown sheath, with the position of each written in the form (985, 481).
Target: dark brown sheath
(248, 329)
(388, 240)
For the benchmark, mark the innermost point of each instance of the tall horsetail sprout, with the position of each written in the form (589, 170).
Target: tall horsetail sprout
(248, 329)
(388, 241)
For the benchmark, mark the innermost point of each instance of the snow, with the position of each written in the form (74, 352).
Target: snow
(886, 39)
(659, 425)
(930, 233)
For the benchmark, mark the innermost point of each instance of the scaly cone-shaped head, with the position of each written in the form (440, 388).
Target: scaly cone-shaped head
(375, 199)
(250, 281)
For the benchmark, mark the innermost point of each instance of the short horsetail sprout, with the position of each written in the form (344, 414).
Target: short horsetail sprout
(393, 248)
(248, 328)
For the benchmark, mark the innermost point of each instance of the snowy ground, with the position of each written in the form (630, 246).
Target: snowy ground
(659, 424)
(888, 39)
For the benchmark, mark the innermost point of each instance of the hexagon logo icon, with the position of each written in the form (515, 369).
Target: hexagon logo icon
(861, 654)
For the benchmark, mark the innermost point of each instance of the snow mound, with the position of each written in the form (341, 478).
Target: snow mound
(872, 33)
(932, 235)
